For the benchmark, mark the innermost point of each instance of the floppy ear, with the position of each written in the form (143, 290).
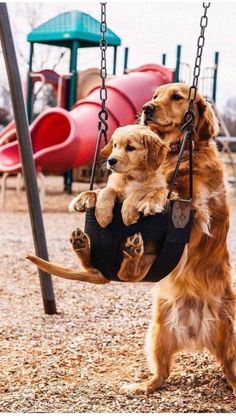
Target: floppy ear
(156, 152)
(106, 151)
(207, 126)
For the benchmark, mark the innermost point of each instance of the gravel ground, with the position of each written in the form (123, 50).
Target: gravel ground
(77, 360)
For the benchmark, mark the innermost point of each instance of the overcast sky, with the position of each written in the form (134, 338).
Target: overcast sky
(152, 28)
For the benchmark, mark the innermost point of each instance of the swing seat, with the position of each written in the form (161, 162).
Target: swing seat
(170, 229)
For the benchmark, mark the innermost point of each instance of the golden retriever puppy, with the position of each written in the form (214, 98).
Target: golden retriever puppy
(194, 306)
(135, 154)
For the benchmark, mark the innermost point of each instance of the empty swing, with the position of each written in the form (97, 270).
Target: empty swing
(170, 229)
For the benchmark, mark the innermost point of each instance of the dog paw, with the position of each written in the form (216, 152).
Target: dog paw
(83, 201)
(137, 389)
(130, 215)
(134, 246)
(79, 240)
(103, 216)
(149, 207)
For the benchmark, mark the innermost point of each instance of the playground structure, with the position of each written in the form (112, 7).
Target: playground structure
(64, 137)
(78, 94)
(57, 357)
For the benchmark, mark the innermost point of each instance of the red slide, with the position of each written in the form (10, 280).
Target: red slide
(62, 140)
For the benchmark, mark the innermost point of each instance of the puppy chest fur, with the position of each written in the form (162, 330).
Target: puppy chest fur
(124, 185)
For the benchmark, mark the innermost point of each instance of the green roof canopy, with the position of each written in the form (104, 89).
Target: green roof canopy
(67, 27)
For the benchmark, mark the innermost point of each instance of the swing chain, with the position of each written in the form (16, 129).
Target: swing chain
(189, 115)
(103, 114)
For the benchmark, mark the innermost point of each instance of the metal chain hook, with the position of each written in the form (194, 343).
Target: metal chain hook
(189, 115)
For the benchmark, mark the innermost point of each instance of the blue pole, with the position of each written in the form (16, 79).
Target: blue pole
(177, 68)
(114, 60)
(163, 59)
(73, 71)
(126, 59)
(214, 87)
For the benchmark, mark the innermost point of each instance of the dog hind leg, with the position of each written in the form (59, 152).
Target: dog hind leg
(81, 245)
(161, 346)
(135, 264)
(223, 346)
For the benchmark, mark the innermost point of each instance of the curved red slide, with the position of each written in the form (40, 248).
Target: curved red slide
(62, 140)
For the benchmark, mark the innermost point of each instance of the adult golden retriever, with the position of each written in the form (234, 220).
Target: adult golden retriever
(135, 154)
(194, 306)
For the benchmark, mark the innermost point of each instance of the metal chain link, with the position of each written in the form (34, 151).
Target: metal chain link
(103, 114)
(189, 115)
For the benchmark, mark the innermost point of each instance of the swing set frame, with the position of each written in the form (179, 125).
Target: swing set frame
(25, 147)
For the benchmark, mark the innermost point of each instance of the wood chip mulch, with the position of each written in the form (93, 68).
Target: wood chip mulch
(77, 360)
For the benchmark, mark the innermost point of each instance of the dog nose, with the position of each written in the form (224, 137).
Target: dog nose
(112, 161)
(148, 109)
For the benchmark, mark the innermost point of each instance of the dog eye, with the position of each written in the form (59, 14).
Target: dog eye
(155, 97)
(176, 96)
(114, 145)
(129, 147)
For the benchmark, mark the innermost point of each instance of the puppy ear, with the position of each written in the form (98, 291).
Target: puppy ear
(106, 151)
(157, 151)
(207, 126)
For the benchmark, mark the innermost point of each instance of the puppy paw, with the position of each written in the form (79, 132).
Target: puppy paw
(103, 216)
(134, 246)
(130, 215)
(83, 201)
(150, 207)
(79, 240)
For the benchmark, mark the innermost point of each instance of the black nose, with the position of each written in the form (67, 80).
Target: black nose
(112, 161)
(148, 109)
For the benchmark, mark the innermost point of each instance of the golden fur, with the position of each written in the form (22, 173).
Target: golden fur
(194, 306)
(135, 154)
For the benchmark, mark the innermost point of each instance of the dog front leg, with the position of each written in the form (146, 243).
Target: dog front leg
(130, 214)
(153, 202)
(104, 207)
(84, 201)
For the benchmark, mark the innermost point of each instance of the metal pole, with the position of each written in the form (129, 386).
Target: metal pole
(25, 148)
(126, 60)
(73, 71)
(163, 59)
(177, 68)
(214, 87)
(72, 96)
(114, 60)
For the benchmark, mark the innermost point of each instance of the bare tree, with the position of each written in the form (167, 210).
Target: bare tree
(4, 117)
(229, 115)
(24, 18)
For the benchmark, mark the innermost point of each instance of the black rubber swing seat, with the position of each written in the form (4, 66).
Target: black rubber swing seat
(170, 230)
